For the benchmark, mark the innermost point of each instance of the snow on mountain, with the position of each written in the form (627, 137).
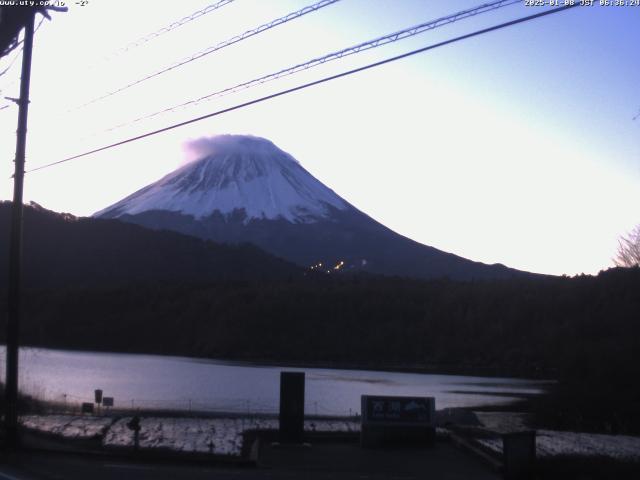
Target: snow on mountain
(238, 172)
(244, 189)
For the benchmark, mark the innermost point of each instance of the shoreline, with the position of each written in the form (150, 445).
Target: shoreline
(539, 378)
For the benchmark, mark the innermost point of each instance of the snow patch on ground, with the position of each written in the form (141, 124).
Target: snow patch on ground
(68, 426)
(224, 436)
(219, 436)
(504, 422)
(332, 426)
(553, 443)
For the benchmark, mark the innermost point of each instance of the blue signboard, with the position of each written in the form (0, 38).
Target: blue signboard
(398, 410)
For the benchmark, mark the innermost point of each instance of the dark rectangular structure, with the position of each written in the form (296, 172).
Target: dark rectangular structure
(519, 455)
(396, 420)
(291, 407)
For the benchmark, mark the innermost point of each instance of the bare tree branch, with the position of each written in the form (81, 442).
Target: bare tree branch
(628, 254)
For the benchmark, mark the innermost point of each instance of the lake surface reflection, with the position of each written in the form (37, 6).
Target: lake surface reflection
(153, 381)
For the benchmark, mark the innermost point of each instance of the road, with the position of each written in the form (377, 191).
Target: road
(319, 462)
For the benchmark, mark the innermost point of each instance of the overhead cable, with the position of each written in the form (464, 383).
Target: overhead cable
(174, 25)
(219, 46)
(368, 45)
(310, 84)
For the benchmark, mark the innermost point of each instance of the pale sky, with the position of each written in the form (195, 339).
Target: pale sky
(515, 147)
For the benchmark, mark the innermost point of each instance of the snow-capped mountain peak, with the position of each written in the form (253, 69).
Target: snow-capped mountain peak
(236, 172)
(243, 189)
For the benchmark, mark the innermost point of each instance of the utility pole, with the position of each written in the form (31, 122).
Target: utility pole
(15, 245)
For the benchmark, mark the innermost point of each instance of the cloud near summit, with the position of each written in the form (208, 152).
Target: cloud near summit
(205, 146)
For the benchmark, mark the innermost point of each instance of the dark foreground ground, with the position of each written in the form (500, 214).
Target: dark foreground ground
(319, 461)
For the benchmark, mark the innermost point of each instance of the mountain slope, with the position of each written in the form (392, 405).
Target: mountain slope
(61, 250)
(243, 172)
(245, 189)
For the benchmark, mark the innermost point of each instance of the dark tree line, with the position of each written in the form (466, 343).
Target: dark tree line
(61, 250)
(583, 331)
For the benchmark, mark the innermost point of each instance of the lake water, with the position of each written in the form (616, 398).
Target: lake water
(152, 381)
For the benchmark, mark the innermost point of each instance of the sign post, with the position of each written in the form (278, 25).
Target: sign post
(97, 395)
(397, 420)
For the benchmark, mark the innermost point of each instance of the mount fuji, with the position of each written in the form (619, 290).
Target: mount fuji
(246, 189)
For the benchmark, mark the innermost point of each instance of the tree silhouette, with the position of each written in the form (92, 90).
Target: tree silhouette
(628, 254)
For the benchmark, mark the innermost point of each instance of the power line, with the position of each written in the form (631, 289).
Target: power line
(11, 48)
(238, 38)
(18, 54)
(170, 27)
(310, 84)
(370, 44)
(11, 63)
